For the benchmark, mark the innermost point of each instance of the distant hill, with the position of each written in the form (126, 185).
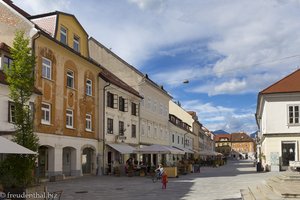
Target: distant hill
(220, 132)
(253, 135)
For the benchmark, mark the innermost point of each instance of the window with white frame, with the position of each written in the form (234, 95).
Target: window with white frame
(293, 114)
(46, 68)
(88, 122)
(76, 43)
(63, 35)
(89, 87)
(69, 118)
(46, 113)
(70, 79)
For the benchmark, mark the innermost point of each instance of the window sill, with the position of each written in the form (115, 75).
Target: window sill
(89, 130)
(46, 124)
(45, 78)
(69, 127)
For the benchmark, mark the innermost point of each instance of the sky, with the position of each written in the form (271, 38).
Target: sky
(229, 50)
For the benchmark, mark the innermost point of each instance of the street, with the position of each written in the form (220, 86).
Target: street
(219, 183)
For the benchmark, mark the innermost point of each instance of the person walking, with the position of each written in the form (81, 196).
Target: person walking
(164, 180)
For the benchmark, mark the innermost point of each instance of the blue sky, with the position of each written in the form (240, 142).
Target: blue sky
(229, 50)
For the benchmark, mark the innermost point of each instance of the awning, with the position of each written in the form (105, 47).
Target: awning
(9, 147)
(122, 148)
(207, 153)
(159, 149)
(184, 149)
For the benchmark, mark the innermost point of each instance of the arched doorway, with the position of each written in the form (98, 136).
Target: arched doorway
(44, 163)
(87, 160)
(69, 160)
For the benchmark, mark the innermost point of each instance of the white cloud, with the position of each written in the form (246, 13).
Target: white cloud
(218, 117)
(149, 4)
(42, 6)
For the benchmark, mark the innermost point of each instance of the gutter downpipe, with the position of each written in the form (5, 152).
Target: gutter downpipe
(103, 131)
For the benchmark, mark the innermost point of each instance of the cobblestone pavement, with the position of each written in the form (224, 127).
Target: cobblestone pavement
(222, 183)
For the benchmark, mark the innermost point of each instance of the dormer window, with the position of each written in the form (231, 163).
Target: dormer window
(63, 35)
(76, 43)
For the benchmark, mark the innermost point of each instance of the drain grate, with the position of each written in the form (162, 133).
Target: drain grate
(81, 192)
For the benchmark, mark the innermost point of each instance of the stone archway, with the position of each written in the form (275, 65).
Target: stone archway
(45, 163)
(69, 161)
(88, 158)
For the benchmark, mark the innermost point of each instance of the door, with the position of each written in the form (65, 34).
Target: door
(288, 152)
(109, 160)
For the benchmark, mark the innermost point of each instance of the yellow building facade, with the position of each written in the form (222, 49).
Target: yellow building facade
(67, 111)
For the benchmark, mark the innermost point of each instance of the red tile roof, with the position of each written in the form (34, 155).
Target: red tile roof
(288, 84)
(241, 137)
(110, 77)
(219, 136)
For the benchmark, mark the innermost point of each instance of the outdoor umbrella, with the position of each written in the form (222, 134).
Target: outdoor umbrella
(9, 147)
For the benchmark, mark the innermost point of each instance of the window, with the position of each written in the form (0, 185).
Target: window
(89, 87)
(121, 128)
(70, 79)
(133, 130)
(149, 130)
(46, 113)
(149, 103)
(11, 112)
(294, 114)
(69, 118)
(46, 68)
(7, 62)
(110, 126)
(143, 129)
(154, 106)
(177, 139)
(88, 122)
(121, 104)
(134, 109)
(63, 35)
(76, 43)
(173, 138)
(110, 100)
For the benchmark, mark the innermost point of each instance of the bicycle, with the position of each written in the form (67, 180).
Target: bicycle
(156, 176)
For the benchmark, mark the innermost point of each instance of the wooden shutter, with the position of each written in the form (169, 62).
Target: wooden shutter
(115, 101)
(126, 105)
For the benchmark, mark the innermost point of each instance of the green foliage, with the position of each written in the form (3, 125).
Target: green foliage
(17, 170)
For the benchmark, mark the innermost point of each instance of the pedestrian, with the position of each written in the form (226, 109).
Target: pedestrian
(164, 180)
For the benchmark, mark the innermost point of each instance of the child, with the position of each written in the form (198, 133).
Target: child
(164, 180)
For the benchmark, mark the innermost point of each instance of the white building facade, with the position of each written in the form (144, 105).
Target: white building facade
(277, 117)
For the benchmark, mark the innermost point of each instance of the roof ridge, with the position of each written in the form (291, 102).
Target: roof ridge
(282, 79)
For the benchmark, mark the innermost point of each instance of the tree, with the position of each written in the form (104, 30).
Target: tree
(20, 79)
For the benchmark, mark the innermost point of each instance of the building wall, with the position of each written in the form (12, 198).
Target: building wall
(273, 144)
(275, 114)
(153, 119)
(126, 117)
(73, 28)
(59, 96)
